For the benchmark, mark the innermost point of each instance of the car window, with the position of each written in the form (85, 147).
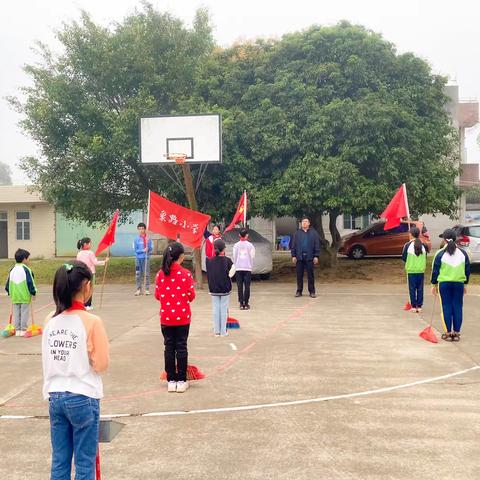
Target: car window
(474, 231)
(402, 228)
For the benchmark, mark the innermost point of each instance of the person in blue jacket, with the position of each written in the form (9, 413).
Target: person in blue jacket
(305, 253)
(143, 248)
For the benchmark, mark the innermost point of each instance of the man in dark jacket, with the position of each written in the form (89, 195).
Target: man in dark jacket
(305, 253)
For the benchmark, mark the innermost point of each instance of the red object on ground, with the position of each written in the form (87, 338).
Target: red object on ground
(174, 221)
(232, 323)
(429, 335)
(109, 238)
(407, 306)
(396, 209)
(193, 373)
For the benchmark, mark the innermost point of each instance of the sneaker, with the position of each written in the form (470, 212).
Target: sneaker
(413, 310)
(147, 292)
(89, 307)
(137, 293)
(242, 306)
(419, 310)
(298, 294)
(17, 333)
(182, 387)
(21, 333)
(172, 387)
(217, 334)
(224, 334)
(246, 307)
(312, 295)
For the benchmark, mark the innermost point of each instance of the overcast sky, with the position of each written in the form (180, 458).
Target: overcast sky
(443, 33)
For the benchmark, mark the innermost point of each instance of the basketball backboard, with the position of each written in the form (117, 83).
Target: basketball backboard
(199, 137)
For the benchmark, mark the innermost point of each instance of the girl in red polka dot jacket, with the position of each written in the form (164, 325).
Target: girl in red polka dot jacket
(174, 288)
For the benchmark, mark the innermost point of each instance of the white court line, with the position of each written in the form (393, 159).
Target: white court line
(233, 346)
(269, 405)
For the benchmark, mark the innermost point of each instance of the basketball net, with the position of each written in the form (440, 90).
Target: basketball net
(179, 158)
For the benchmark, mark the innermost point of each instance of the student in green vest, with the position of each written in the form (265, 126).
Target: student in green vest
(450, 274)
(415, 257)
(21, 289)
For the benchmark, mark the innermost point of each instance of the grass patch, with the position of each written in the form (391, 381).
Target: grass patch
(121, 270)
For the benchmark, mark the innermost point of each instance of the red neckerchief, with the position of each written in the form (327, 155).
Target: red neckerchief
(144, 238)
(76, 305)
(243, 239)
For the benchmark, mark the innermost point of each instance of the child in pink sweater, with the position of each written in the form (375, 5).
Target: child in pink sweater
(86, 256)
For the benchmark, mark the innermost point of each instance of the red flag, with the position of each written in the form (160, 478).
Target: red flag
(173, 220)
(396, 209)
(109, 237)
(240, 214)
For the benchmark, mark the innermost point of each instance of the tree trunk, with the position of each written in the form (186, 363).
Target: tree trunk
(336, 238)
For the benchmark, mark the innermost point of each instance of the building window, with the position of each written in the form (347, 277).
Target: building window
(356, 223)
(23, 225)
(3, 216)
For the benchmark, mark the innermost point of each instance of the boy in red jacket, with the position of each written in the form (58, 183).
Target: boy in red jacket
(174, 288)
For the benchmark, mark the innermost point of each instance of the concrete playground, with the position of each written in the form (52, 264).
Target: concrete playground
(337, 387)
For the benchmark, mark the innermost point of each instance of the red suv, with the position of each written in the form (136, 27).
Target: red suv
(374, 240)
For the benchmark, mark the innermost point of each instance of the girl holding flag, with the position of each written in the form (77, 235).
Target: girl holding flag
(86, 256)
(415, 257)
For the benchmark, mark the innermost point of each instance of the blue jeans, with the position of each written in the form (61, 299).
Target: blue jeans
(74, 430)
(140, 272)
(220, 313)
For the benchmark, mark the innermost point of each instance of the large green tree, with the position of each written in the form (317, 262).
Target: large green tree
(84, 106)
(332, 120)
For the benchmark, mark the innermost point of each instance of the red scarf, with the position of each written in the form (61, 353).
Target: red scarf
(76, 305)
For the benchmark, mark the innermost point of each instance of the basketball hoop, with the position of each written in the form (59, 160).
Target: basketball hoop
(180, 158)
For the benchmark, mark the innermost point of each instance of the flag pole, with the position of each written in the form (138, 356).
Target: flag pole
(406, 203)
(104, 276)
(146, 245)
(245, 209)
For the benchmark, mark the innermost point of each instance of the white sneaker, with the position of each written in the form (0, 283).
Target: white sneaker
(17, 333)
(413, 310)
(182, 387)
(138, 293)
(147, 292)
(21, 333)
(89, 307)
(172, 387)
(419, 310)
(224, 334)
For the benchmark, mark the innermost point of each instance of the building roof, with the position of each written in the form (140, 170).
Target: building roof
(19, 194)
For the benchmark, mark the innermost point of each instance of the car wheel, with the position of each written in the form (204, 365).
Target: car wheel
(357, 252)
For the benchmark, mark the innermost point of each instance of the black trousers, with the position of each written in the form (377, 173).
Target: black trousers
(175, 341)
(301, 265)
(243, 286)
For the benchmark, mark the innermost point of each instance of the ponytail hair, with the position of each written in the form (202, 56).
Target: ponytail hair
(68, 281)
(83, 241)
(219, 246)
(417, 244)
(171, 254)
(450, 236)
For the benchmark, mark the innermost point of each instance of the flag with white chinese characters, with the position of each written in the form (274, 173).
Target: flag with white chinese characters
(176, 222)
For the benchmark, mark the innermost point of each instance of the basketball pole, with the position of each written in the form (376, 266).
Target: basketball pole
(192, 203)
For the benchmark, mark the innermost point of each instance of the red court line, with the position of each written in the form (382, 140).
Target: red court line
(219, 369)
